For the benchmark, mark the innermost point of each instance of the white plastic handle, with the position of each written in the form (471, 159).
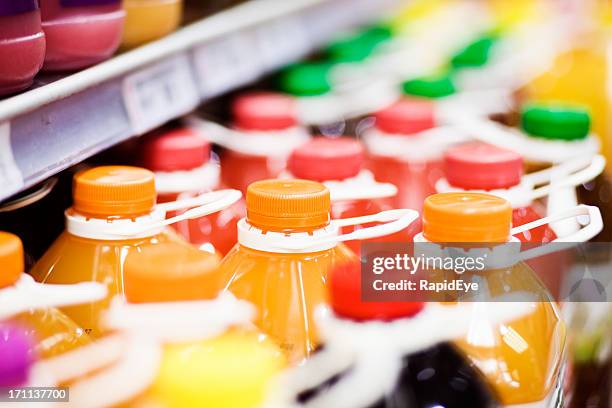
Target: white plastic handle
(393, 221)
(27, 294)
(576, 172)
(207, 203)
(594, 227)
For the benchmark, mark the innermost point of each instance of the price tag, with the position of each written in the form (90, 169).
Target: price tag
(159, 93)
(283, 41)
(226, 63)
(11, 179)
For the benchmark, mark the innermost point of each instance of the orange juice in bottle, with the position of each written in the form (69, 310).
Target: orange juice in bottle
(31, 307)
(113, 214)
(176, 341)
(524, 359)
(286, 246)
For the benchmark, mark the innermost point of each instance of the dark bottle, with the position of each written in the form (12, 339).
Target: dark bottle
(437, 376)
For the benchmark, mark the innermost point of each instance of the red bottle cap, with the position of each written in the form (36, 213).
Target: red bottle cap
(406, 116)
(480, 166)
(346, 301)
(264, 111)
(175, 150)
(322, 159)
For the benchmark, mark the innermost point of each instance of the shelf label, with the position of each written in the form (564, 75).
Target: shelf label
(226, 63)
(159, 93)
(282, 41)
(11, 179)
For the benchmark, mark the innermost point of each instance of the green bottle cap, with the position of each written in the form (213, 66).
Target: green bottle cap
(306, 79)
(475, 54)
(437, 86)
(360, 46)
(556, 122)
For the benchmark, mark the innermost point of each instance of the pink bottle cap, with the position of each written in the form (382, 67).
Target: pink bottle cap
(322, 159)
(406, 116)
(480, 166)
(264, 111)
(175, 150)
(14, 7)
(15, 355)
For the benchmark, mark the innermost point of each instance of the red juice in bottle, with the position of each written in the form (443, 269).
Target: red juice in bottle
(184, 169)
(404, 150)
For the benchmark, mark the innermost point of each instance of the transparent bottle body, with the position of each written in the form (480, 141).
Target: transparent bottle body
(52, 332)
(286, 289)
(523, 359)
(415, 180)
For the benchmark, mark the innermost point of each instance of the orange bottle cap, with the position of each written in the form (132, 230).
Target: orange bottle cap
(170, 272)
(11, 259)
(288, 205)
(466, 217)
(108, 191)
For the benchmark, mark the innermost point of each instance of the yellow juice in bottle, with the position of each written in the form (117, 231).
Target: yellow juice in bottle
(148, 20)
(284, 285)
(107, 201)
(523, 360)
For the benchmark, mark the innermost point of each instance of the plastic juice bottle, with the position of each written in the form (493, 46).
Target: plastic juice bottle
(180, 343)
(405, 151)
(563, 131)
(148, 20)
(97, 24)
(22, 44)
(30, 307)
(338, 164)
(371, 357)
(524, 359)
(478, 166)
(113, 214)
(184, 169)
(267, 131)
(286, 246)
(576, 76)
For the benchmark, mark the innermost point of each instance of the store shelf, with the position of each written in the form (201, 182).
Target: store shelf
(65, 121)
